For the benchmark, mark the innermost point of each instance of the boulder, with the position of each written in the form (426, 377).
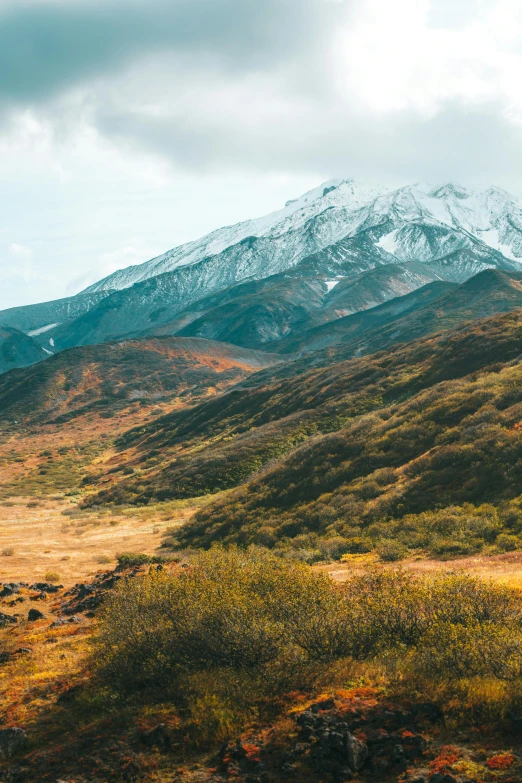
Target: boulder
(65, 621)
(6, 619)
(356, 752)
(35, 614)
(9, 589)
(46, 587)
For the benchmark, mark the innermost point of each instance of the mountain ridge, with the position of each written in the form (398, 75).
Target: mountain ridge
(338, 230)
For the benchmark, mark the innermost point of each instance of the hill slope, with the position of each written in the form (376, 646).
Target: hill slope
(489, 293)
(410, 450)
(18, 350)
(111, 376)
(221, 443)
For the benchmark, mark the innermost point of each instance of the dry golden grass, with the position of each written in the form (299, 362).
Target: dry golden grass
(76, 544)
(505, 569)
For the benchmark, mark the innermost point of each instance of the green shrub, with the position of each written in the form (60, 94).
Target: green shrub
(507, 542)
(132, 559)
(453, 651)
(391, 550)
(233, 609)
(252, 614)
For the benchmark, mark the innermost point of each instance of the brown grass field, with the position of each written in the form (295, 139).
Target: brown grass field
(37, 537)
(53, 534)
(505, 569)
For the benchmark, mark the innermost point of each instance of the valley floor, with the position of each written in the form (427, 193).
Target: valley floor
(42, 536)
(38, 536)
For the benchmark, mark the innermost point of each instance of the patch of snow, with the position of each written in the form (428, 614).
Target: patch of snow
(330, 284)
(388, 242)
(42, 329)
(51, 342)
(49, 353)
(492, 238)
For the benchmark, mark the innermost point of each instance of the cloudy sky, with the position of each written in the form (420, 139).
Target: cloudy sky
(130, 126)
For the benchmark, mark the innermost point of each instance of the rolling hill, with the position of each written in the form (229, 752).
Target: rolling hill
(222, 443)
(109, 377)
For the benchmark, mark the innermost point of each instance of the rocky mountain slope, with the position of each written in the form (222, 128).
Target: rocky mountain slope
(296, 220)
(37, 320)
(433, 308)
(411, 223)
(264, 312)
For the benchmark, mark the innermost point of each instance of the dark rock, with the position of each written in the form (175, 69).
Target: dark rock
(356, 752)
(9, 588)
(65, 621)
(35, 614)
(23, 651)
(305, 719)
(46, 587)
(326, 704)
(6, 619)
(440, 777)
(12, 740)
(39, 597)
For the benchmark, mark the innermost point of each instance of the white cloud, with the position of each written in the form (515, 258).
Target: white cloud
(120, 156)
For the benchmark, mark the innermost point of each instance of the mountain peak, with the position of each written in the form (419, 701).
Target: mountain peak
(450, 190)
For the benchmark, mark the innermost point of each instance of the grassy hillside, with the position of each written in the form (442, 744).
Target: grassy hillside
(61, 415)
(111, 376)
(221, 443)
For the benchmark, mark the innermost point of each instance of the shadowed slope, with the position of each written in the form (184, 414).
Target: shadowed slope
(18, 350)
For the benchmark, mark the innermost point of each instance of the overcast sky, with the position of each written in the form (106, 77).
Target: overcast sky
(130, 126)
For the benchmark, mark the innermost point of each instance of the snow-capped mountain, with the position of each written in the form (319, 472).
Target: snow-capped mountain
(343, 195)
(413, 223)
(338, 231)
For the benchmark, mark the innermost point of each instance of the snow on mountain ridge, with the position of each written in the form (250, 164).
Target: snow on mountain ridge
(343, 208)
(334, 193)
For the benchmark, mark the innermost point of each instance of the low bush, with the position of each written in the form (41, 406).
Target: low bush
(132, 559)
(272, 619)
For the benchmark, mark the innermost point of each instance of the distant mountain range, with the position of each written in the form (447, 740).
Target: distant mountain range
(278, 282)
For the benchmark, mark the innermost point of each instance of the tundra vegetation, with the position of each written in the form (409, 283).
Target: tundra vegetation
(226, 638)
